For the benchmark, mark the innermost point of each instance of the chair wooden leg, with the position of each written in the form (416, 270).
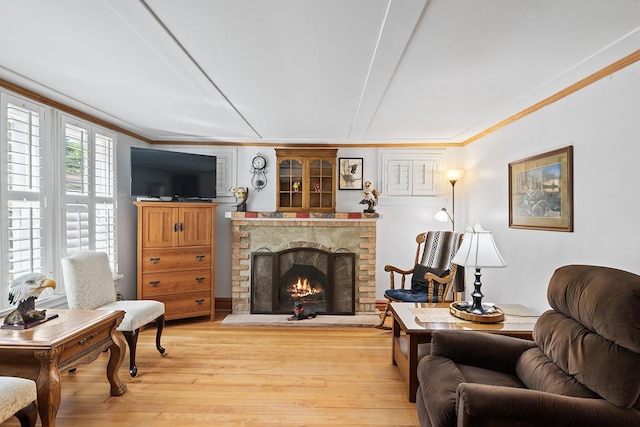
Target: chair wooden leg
(160, 327)
(132, 340)
(384, 317)
(28, 415)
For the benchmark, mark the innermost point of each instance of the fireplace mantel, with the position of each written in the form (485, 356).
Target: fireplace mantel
(311, 216)
(275, 231)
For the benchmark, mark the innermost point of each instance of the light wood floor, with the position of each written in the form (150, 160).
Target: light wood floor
(241, 376)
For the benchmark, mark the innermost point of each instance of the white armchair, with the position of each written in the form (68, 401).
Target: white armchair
(89, 285)
(18, 399)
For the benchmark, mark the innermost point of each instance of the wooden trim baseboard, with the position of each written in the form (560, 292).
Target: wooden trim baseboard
(223, 305)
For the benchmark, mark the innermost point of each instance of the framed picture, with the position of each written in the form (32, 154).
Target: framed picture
(541, 191)
(350, 173)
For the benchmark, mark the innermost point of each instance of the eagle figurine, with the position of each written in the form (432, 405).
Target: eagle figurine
(370, 197)
(24, 291)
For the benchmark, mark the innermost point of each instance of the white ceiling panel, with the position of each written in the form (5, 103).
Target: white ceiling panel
(309, 71)
(294, 68)
(464, 63)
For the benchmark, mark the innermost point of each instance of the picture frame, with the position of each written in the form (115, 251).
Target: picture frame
(350, 173)
(541, 191)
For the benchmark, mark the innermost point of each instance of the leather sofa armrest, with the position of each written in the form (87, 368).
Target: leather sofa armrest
(481, 349)
(481, 405)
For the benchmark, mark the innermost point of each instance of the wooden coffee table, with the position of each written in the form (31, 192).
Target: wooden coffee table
(409, 332)
(75, 337)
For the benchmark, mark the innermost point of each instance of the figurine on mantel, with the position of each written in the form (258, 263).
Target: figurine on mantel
(241, 193)
(369, 197)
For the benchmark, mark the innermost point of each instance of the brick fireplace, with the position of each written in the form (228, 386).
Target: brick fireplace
(255, 232)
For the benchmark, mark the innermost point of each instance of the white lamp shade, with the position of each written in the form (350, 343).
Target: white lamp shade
(442, 215)
(478, 250)
(455, 174)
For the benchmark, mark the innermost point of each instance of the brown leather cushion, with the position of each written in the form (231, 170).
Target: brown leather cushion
(438, 394)
(607, 369)
(609, 307)
(594, 333)
(537, 372)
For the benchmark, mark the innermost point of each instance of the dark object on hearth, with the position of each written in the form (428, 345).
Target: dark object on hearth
(24, 291)
(300, 313)
(581, 369)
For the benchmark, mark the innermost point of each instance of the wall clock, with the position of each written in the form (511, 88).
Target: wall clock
(259, 170)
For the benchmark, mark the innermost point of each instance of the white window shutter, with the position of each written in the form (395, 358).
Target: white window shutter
(424, 177)
(23, 185)
(399, 178)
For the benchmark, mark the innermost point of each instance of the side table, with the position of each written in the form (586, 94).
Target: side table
(75, 337)
(410, 332)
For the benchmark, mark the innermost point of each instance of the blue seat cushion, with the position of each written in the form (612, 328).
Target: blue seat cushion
(409, 295)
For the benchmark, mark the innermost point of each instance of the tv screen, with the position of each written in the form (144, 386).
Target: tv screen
(181, 176)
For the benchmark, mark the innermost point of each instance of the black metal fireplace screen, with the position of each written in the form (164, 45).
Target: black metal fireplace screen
(322, 281)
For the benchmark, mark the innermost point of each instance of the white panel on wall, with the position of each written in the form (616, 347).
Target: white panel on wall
(425, 177)
(410, 172)
(398, 182)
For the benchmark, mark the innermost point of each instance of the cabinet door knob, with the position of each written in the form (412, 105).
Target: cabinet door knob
(200, 279)
(181, 227)
(199, 301)
(175, 227)
(154, 260)
(154, 283)
(200, 257)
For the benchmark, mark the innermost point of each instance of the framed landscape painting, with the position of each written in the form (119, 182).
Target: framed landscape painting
(350, 173)
(541, 191)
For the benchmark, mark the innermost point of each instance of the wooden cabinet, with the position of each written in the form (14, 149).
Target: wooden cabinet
(306, 180)
(176, 254)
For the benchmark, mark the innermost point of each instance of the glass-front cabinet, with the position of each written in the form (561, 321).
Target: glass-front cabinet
(306, 180)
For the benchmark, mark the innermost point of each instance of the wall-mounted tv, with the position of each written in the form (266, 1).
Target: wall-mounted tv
(170, 174)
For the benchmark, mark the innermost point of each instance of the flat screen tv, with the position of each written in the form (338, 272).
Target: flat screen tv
(170, 174)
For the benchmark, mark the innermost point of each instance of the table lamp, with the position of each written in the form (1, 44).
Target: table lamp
(478, 250)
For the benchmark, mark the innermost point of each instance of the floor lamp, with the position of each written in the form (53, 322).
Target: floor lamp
(453, 176)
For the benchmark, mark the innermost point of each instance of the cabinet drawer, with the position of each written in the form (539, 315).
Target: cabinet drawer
(82, 346)
(191, 304)
(175, 282)
(175, 259)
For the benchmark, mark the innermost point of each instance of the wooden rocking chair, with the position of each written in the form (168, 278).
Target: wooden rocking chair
(433, 274)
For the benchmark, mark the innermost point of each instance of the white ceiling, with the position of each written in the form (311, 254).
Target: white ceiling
(309, 71)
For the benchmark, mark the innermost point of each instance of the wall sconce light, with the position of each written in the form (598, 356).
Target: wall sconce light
(453, 176)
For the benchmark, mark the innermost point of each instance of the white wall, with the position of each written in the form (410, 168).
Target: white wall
(402, 218)
(602, 122)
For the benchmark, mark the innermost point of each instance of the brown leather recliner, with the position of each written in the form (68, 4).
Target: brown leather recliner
(581, 369)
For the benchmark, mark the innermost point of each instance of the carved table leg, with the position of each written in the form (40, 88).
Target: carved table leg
(48, 385)
(116, 356)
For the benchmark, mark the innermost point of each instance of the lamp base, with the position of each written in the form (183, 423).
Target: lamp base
(495, 317)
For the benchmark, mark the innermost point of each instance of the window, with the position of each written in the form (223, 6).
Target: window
(89, 183)
(22, 195)
(40, 221)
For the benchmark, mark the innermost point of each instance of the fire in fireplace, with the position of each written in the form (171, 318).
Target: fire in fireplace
(305, 284)
(322, 281)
